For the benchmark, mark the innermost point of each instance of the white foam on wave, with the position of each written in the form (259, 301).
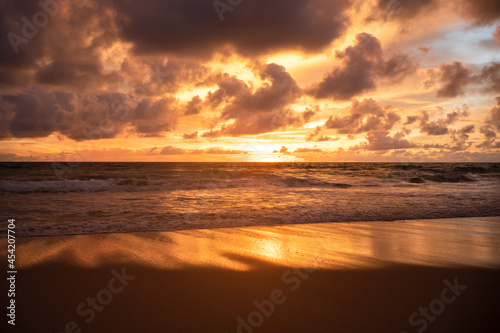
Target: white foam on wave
(115, 185)
(54, 186)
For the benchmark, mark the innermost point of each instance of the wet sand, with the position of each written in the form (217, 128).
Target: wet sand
(403, 276)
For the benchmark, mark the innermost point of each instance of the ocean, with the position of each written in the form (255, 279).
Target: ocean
(83, 198)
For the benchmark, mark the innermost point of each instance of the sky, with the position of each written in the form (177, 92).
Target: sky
(250, 80)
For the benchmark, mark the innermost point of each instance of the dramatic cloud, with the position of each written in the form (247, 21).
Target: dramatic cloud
(171, 150)
(229, 86)
(489, 78)
(152, 118)
(39, 113)
(383, 141)
(282, 91)
(261, 111)
(411, 119)
(401, 10)
(459, 137)
(190, 136)
(194, 28)
(76, 74)
(494, 116)
(194, 106)
(164, 74)
(481, 12)
(309, 113)
(440, 126)
(256, 123)
(156, 77)
(315, 136)
(489, 136)
(362, 64)
(364, 116)
(56, 45)
(454, 77)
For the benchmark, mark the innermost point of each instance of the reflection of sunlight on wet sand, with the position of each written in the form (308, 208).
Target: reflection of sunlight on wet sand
(269, 249)
(446, 242)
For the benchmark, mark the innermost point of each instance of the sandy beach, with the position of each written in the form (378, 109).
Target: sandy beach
(437, 275)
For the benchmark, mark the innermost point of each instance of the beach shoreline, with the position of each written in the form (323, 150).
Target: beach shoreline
(343, 277)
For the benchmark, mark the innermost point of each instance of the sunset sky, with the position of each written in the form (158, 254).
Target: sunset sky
(250, 80)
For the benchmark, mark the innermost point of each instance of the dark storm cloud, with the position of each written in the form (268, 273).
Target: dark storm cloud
(488, 131)
(38, 113)
(309, 113)
(432, 127)
(152, 117)
(440, 126)
(193, 27)
(401, 10)
(76, 74)
(13, 16)
(364, 116)
(7, 112)
(381, 140)
(494, 116)
(229, 86)
(489, 78)
(411, 119)
(481, 12)
(193, 106)
(489, 137)
(454, 78)
(67, 50)
(11, 77)
(156, 77)
(69, 39)
(362, 64)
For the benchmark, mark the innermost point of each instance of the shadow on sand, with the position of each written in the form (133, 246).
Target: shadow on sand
(199, 299)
